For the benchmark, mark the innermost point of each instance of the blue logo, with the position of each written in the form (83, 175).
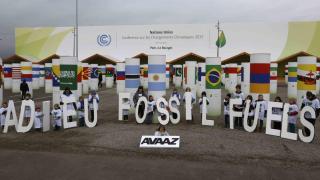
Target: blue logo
(104, 39)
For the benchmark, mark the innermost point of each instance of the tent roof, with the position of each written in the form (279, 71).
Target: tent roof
(238, 59)
(100, 60)
(294, 57)
(143, 58)
(14, 59)
(48, 59)
(188, 57)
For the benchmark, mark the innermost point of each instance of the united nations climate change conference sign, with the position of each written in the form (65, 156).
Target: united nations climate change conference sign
(173, 40)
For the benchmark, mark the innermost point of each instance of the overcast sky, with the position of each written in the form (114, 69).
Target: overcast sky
(22, 13)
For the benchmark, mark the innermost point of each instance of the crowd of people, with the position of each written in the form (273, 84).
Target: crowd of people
(309, 100)
(57, 111)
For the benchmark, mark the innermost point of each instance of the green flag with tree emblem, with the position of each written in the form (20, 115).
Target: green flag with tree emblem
(221, 41)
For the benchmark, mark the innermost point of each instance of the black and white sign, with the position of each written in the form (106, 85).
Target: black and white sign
(160, 142)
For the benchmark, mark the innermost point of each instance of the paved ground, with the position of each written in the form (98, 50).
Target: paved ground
(110, 151)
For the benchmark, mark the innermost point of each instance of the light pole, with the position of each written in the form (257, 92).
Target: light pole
(218, 46)
(75, 34)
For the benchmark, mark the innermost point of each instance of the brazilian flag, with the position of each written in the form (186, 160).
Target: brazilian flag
(213, 76)
(221, 41)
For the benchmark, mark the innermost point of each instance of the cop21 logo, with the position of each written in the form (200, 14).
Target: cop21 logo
(104, 39)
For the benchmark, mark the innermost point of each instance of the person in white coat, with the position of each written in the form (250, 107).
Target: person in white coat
(203, 94)
(238, 94)
(27, 111)
(57, 117)
(38, 117)
(71, 106)
(262, 111)
(93, 95)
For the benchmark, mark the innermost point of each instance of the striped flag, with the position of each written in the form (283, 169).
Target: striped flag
(132, 76)
(121, 75)
(292, 74)
(273, 73)
(26, 73)
(16, 72)
(260, 78)
(35, 71)
(158, 76)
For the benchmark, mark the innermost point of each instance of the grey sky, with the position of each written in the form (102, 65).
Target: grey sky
(19, 13)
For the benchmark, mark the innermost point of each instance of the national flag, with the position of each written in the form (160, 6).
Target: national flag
(221, 41)
(213, 76)
(157, 72)
(68, 76)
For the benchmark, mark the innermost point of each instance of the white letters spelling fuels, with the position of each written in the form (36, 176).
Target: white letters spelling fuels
(273, 117)
(233, 113)
(307, 124)
(283, 118)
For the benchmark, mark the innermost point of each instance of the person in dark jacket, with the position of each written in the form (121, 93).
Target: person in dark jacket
(24, 88)
(139, 93)
(100, 80)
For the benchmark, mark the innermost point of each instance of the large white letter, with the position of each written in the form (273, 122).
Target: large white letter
(273, 117)
(256, 115)
(163, 110)
(14, 120)
(145, 101)
(233, 113)
(123, 106)
(188, 101)
(21, 128)
(95, 113)
(175, 110)
(307, 124)
(205, 121)
(67, 112)
(46, 116)
(245, 119)
(284, 125)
